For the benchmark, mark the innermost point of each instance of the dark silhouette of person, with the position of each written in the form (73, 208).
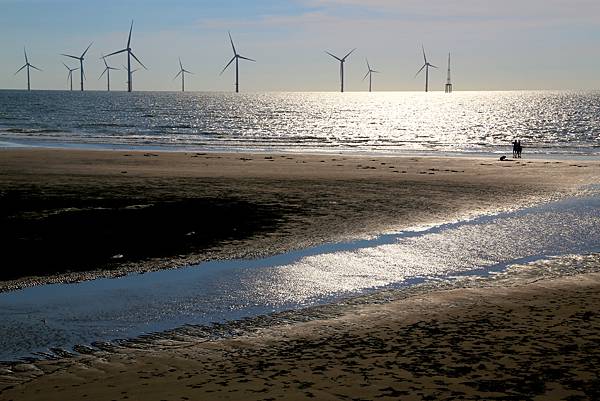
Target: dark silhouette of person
(519, 149)
(515, 147)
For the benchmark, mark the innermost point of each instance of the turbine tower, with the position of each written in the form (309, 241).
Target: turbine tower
(70, 74)
(182, 72)
(426, 66)
(129, 55)
(342, 61)
(236, 58)
(107, 72)
(130, 75)
(28, 65)
(370, 75)
(80, 58)
(448, 81)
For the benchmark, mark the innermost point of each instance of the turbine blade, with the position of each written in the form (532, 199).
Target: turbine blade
(178, 74)
(366, 75)
(431, 65)
(103, 72)
(232, 45)
(424, 56)
(19, 70)
(189, 72)
(66, 66)
(129, 39)
(349, 53)
(113, 68)
(228, 64)
(138, 60)
(335, 57)
(88, 48)
(246, 58)
(105, 63)
(25, 52)
(68, 55)
(418, 72)
(368, 65)
(117, 52)
(180, 65)
(34, 67)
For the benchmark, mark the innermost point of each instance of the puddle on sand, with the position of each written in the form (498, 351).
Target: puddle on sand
(62, 315)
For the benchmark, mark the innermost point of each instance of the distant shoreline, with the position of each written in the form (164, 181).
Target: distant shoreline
(5, 145)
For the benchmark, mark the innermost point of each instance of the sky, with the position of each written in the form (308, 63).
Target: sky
(495, 45)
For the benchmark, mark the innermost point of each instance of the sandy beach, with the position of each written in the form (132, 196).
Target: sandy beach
(80, 214)
(530, 338)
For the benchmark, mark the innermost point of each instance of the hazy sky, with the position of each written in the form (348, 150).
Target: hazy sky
(508, 44)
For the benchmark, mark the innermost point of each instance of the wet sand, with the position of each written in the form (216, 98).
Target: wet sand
(534, 338)
(70, 215)
(528, 338)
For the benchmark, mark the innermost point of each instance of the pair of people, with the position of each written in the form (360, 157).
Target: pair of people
(517, 149)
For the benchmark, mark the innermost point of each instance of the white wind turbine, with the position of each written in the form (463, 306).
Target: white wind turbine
(182, 72)
(129, 55)
(236, 58)
(80, 58)
(70, 74)
(106, 71)
(426, 66)
(28, 66)
(369, 74)
(342, 61)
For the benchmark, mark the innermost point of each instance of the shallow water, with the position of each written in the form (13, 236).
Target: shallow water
(36, 319)
(548, 122)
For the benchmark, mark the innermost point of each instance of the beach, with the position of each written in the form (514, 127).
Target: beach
(81, 214)
(522, 339)
(77, 211)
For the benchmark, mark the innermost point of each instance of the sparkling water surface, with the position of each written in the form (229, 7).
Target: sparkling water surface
(547, 122)
(38, 318)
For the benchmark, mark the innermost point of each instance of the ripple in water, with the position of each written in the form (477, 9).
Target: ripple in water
(548, 122)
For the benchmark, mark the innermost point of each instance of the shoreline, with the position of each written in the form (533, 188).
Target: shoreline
(297, 201)
(7, 145)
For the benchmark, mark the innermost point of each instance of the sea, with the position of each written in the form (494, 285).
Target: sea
(548, 123)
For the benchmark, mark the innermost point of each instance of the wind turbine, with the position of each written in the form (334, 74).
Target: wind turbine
(370, 75)
(80, 58)
(70, 75)
(182, 72)
(236, 58)
(342, 61)
(426, 66)
(129, 55)
(107, 72)
(28, 65)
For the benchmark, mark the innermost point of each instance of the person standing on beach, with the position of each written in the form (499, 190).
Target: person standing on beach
(515, 148)
(519, 149)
